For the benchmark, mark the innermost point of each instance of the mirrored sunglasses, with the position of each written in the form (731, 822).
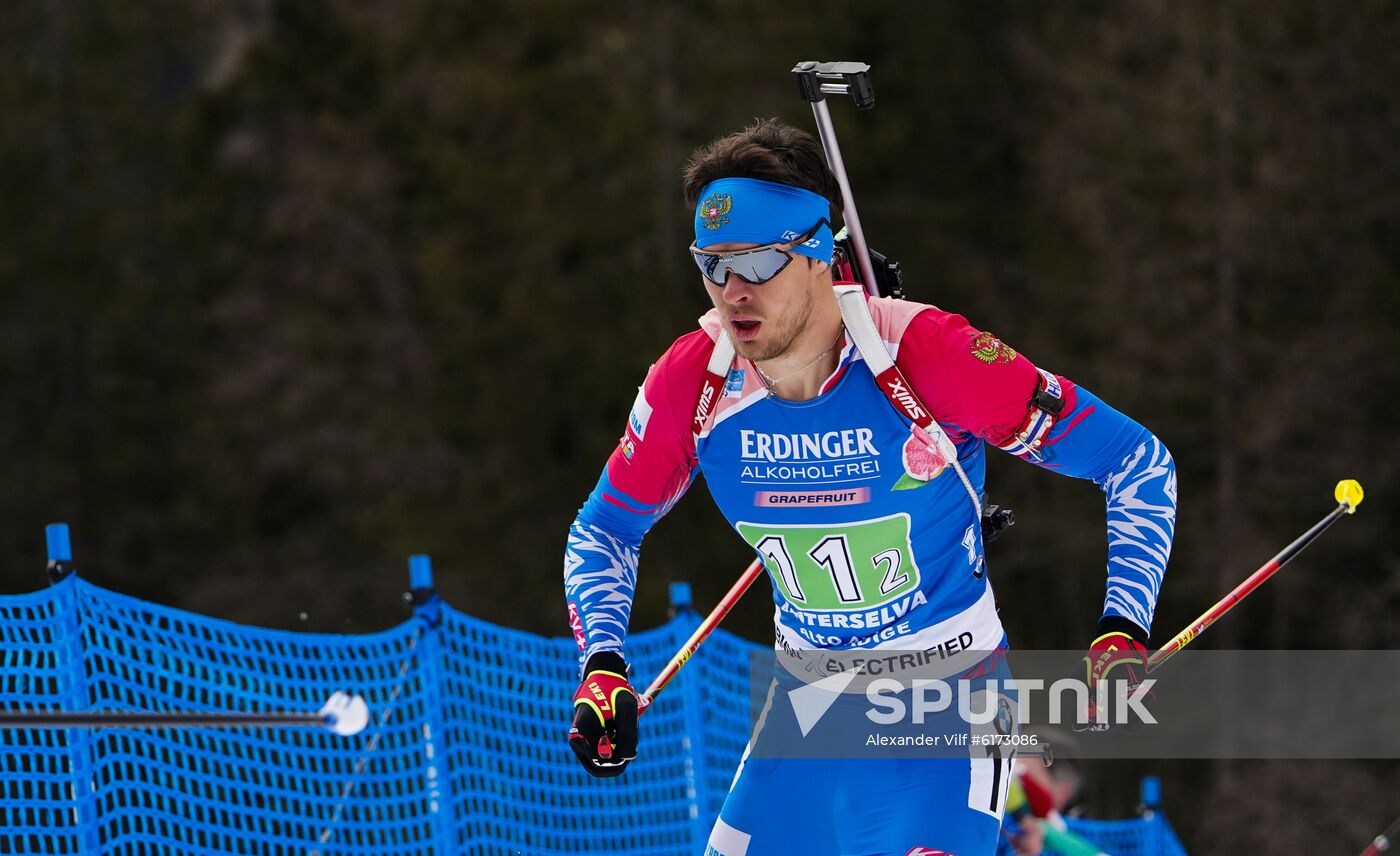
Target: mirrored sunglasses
(755, 266)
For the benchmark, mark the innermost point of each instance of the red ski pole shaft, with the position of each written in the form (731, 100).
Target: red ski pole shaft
(707, 626)
(1348, 495)
(1382, 842)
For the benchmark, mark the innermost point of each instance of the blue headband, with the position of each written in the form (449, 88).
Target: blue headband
(753, 211)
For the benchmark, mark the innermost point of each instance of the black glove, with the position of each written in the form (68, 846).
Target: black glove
(604, 733)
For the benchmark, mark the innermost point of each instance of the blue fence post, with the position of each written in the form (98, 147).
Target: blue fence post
(427, 607)
(60, 546)
(74, 697)
(681, 599)
(1150, 794)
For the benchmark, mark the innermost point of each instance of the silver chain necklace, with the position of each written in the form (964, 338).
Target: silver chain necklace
(773, 382)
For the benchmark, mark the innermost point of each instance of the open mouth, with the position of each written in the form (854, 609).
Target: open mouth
(744, 330)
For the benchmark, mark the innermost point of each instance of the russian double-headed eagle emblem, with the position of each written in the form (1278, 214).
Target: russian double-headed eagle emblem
(715, 210)
(989, 349)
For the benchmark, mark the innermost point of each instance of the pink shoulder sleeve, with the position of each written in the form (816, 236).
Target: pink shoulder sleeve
(969, 378)
(653, 460)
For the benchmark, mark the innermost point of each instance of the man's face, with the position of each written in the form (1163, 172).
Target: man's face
(765, 320)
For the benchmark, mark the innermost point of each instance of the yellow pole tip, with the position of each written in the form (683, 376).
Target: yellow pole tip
(1350, 494)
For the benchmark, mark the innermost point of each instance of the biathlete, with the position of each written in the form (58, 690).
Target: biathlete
(843, 438)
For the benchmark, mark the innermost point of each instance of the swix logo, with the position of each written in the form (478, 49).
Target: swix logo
(927, 851)
(707, 398)
(900, 394)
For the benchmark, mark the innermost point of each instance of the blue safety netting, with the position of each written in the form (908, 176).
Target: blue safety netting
(1146, 836)
(464, 753)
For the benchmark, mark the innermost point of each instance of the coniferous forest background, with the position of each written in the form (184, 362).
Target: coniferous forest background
(293, 288)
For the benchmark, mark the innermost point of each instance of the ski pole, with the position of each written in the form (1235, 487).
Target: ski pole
(342, 714)
(1348, 494)
(815, 81)
(1384, 840)
(707, 626)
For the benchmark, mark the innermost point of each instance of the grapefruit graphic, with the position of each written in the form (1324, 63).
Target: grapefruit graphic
(923, 462)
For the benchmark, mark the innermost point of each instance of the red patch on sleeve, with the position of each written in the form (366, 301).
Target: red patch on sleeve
(576, 625)
(967, 377)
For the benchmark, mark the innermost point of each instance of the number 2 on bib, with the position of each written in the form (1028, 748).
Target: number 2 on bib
(855, 565)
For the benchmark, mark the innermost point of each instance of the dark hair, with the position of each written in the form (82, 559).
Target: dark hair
(767, 150)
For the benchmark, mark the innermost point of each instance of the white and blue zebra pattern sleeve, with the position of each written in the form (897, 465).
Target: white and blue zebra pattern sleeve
(1138, 477)
(646, 474)
(600, 563)
(600, 579)
(1141, 495)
